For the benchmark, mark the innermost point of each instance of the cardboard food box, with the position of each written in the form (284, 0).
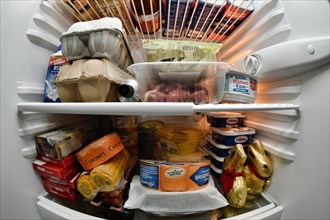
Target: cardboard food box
(60, 143)
(69, 180)
(51, 169)
(90, 80)
(64, 163)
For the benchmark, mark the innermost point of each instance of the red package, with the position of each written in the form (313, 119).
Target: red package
(68, 196)
(51, 169)
(70, 179)
(58, 187)
(64, 163)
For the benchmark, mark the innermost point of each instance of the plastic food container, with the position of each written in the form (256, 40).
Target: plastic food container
(225, 119)
(240, 87)
(102, 38)
(179, 140)
(124, 121)
(216, 171)
(89, 80)
(198, 82)
(216, 161)
(233, 136)
(218, 149)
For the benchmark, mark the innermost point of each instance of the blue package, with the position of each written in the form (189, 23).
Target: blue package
(55, 62)
(233, 136)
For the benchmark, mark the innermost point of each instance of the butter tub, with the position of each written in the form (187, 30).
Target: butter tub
(179, 140)
(233, 136)
(90, 80)
(102, 38)
(225, 119)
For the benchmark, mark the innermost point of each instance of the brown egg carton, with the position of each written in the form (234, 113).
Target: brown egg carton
(90, 80)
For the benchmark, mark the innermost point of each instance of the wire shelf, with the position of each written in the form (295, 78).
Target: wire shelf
(194, 20)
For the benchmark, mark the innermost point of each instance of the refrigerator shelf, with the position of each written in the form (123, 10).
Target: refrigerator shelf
(51, 206)
(145, 108)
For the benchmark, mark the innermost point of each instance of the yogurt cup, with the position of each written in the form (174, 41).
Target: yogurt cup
(233, 136)
(216, 161)
(225, 119)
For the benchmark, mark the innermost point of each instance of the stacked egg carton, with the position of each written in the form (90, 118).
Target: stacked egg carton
(98, 56)
(227, 131)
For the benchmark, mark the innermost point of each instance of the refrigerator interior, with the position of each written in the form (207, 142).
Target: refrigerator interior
(291, 114)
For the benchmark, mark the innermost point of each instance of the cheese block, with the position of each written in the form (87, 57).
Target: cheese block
(174, 176)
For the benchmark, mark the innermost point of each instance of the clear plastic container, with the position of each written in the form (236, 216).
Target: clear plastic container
(198, 82)
(179, 140)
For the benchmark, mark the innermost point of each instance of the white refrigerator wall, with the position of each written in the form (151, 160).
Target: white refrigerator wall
(20, 61)
(301, 187)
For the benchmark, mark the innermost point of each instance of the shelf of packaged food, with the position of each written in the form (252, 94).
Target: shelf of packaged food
(145, 108)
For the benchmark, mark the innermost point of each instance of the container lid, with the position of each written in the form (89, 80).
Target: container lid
(215, 144)
(153, 124)
(175, 133)
(215, 169)
(220, 159)
(234, 131)
(225, 114)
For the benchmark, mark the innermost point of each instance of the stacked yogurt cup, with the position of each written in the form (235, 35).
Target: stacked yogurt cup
(98, 56)
(227, 131)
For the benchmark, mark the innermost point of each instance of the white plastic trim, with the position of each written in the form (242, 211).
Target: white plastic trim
(29, 152)
(291, 134)
(144, 108)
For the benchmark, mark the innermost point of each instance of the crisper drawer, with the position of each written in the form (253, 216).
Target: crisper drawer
(51, 207)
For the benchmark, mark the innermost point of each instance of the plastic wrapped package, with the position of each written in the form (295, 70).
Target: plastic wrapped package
(174, 203)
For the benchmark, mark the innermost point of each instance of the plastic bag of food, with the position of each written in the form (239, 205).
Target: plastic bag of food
(169, 50)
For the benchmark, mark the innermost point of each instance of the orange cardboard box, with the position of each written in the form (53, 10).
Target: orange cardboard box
(100, 151)
(174, 176)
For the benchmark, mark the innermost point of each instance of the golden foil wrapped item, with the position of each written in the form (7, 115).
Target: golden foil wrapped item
(85, 186)
(234, 183)
(258, 170)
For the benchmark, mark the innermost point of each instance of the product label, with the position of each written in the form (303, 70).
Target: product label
(175, 172)
(50, 91)
(201, 176)
(232, 121)
(149, 23)
(240, 84)
(149, 176)
(241, 139)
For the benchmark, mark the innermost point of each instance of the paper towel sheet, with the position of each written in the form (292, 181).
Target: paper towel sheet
(208, 198)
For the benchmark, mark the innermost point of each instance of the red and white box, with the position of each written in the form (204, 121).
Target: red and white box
(72, 195)
(51, 169)
(58, 187)
(64, 163)
(70, 179)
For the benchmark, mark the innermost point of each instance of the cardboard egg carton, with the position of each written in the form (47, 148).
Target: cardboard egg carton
(102, 38)
(90, 80)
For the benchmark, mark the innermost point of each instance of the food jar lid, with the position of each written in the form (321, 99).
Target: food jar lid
(234, 131)
(225, 114)
(174, 133)
(153, 124)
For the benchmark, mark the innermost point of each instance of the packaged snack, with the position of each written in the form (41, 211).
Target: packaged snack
(60, 143)
(56, 61)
